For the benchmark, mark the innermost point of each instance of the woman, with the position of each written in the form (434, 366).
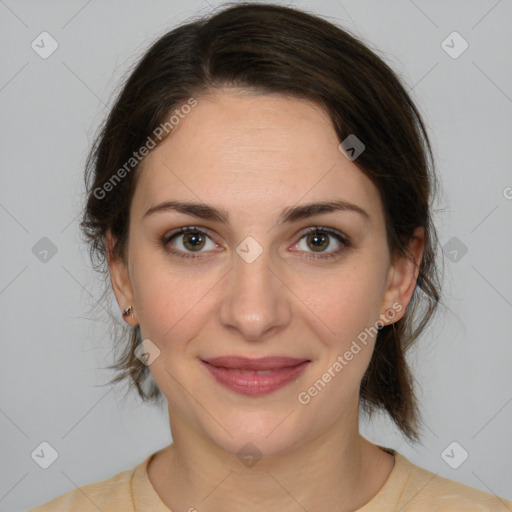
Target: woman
(260, 195)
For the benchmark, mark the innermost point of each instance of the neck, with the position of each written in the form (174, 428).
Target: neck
(339, 470)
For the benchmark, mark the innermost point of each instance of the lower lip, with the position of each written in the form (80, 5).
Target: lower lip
(255, 384)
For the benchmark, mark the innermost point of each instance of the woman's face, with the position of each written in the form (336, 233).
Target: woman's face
(249, 281)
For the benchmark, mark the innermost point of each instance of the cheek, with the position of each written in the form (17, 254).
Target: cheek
(171, 304)
(348, 304)
(344, 302)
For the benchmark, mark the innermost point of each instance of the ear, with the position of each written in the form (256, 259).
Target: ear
(120, 280)
(402, 278)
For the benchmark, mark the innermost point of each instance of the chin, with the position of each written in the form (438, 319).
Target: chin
(265, 435)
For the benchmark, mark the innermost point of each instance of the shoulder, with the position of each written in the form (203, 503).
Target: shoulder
(424, 490)
(109, 495)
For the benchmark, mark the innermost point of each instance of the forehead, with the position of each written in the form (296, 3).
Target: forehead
(253, 153)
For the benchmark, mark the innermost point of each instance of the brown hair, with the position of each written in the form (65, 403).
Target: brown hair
(276, 49)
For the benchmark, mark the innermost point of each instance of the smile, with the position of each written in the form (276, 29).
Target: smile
(255, 376)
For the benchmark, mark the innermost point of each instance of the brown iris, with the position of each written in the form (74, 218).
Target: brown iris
(193, 240)
(320, 241)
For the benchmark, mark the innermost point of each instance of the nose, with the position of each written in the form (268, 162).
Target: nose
(256, 301)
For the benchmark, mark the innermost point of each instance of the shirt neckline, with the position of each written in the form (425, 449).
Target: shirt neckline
(144, 495)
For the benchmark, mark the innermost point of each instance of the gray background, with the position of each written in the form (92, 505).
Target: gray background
(54, 346)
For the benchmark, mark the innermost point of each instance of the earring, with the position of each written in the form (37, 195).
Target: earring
(390, 313)
(127, 311)
(385, 319)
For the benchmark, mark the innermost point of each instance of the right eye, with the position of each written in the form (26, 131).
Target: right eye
(186, 241)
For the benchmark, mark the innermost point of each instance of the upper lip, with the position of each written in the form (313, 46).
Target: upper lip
(254, 364)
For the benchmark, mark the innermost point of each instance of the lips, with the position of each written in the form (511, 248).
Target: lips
(261, 364)
(251, 376)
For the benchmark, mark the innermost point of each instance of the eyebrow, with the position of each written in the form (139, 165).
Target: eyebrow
(288, 215)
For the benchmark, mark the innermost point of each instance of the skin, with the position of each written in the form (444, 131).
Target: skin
(254, 155)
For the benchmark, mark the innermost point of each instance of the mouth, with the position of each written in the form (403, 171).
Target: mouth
(250, 376)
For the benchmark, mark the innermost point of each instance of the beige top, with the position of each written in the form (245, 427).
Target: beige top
(408, 488)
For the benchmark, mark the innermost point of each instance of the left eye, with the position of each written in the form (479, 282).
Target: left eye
(318, 240)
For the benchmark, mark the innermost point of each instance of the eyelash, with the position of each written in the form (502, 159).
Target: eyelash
(315, 229)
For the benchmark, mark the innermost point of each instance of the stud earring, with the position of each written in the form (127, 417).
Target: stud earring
(127, 311)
